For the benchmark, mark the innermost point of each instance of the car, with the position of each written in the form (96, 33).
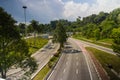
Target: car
(75, 51)
(68, 47)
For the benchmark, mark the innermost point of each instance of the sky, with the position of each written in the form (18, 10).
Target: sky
(46, 10)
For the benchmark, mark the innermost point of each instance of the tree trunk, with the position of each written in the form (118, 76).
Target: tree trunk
(3, 74)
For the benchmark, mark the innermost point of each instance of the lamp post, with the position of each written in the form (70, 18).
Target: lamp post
(25, 7)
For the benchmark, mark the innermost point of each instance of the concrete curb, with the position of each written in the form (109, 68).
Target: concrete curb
(51, 71)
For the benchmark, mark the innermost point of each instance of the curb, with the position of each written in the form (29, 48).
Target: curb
(53, 67)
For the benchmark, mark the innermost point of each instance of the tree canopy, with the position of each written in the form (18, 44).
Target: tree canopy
(13, 50)
(60, 35)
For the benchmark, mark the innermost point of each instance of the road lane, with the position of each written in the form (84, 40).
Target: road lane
(73, 66)
(108, 50)
(41, 56)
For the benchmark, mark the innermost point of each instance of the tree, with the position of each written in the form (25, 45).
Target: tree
(21, 28)
(116, 39)
(35, 25)
(107, 27)
(97, 34)
(13, 50)
(60, 34)
(30, 29)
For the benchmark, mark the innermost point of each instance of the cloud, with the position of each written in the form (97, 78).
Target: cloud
(47, 10)
(73, 10)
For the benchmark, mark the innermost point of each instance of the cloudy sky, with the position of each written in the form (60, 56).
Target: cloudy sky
(46, 10)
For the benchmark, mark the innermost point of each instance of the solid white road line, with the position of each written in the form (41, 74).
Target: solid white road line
(64, 70)
(91, 78)
(77, 63)
(66, 63)
(76, 71)
(54, 68)
(88, 66)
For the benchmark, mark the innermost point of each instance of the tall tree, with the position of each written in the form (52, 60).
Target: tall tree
(21, 28)
(60, 34)
(13, 50)
(35, 25)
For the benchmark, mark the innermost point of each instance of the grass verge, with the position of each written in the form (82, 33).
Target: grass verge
(42, 73)
(35, 44)
(106, 42)
(106, 58)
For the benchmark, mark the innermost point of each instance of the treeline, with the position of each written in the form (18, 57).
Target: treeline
(101, 26)
(98, 26)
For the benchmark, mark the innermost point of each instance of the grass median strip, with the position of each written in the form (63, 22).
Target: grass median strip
(42, 73)
(107, 59)
(35, 44)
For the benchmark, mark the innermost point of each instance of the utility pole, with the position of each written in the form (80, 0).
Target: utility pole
(25, 7)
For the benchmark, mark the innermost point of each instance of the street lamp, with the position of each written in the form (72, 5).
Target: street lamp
(25, 7)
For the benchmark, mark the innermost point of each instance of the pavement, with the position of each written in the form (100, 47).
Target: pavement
(42, 57)
(74, 65)
(84, 43)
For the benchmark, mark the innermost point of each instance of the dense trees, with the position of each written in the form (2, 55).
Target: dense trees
(13, 50)
(98, 26)
(116, 39)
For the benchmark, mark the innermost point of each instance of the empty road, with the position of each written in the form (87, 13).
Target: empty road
(73, 65)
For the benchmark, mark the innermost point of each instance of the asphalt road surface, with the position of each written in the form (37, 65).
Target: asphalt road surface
(108, 50)
(42, 57)
(74, 64)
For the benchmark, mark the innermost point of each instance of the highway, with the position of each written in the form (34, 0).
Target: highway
(74, 65)
(42, 57)
(84, 43)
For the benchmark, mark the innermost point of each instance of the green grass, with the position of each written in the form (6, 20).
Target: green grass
(105, 42)
(42, 74)
(35, 44)
(106, 58)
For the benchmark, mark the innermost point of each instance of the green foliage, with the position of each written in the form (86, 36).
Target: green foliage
(116, 39)
(100, 27)
(97, 34)
(60, 34)
(13, 50)
(21, 28)
(40, 42)
(88, 30)
(107, 27)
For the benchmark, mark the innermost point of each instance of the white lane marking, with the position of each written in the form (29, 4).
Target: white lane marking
(88, 66)
(54, 68)
(77, 63)
(91, 78)
(66, 63)
(61, 79)
(76, 58)
(76, 71)
(64, 70)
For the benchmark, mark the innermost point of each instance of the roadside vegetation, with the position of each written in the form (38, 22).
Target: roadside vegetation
(47, 68)
(103, 42)
(35, 44)
(14, 51)
(107, 59)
